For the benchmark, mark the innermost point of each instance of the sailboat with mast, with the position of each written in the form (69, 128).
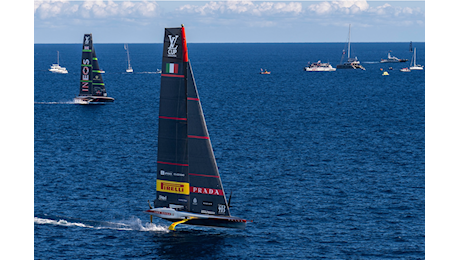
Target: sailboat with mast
(188, 186)
(413, 62)
(129, 69)
(92, 87)
(351, 63)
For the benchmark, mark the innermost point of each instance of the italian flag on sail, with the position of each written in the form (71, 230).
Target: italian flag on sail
(172, 68)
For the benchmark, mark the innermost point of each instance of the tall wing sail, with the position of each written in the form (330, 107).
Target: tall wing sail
(187, 174)
(86, 73)
(206, 192)
(98, 84)
(172, 184)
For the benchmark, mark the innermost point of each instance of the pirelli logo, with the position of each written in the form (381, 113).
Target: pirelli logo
(173, 187)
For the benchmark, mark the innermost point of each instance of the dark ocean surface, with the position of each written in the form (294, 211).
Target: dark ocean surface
(328, 165)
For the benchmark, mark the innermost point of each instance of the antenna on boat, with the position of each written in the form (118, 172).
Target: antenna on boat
(230, 199)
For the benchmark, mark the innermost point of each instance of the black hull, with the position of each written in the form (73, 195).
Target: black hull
(388, 61)
(215, 222)
(95, 99)
(345, 67)
(349, 66)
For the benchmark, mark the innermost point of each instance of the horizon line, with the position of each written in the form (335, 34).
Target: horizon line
(218, 42)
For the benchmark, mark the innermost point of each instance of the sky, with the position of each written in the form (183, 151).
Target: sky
(112, 21)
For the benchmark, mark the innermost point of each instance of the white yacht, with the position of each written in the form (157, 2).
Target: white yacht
(129, 69)
(351, 63)
(318, 66)
(392, 59)
(413, 62)
(55, 68)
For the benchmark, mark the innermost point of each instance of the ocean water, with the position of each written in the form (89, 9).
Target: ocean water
(327, 165)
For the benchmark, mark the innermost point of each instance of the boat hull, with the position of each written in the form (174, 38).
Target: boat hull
(93, 99)
(59, 71)
(224, 223)
(350, 66)
(393, 61)
(320, 69)
(198, 219)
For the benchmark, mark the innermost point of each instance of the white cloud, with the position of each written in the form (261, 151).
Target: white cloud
(381, 10)
(362, 7)
(243, 7)
(321, 8)
(243, 20)
(347, 7)
(389, 10)
(94, 9)
(48, 8)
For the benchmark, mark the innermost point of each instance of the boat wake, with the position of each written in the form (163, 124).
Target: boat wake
(370, 62)
(133, 224)
(72, 102)
(148, 72)
(59, 103)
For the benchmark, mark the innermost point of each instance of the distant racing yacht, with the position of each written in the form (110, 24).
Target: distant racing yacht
(188, 185)
(92, 88)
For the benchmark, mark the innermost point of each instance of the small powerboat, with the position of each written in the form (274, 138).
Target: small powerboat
(318, 66)
(392, 59)
(264, 72)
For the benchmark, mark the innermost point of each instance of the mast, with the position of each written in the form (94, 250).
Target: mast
(127, 51)
(172, 184)
(57, 57)
(349, 39)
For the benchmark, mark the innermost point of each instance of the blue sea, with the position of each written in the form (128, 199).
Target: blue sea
(328, 165)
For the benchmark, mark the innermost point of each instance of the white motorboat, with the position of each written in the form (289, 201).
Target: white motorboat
(318, 66)
(392, 59)
(55, 68)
